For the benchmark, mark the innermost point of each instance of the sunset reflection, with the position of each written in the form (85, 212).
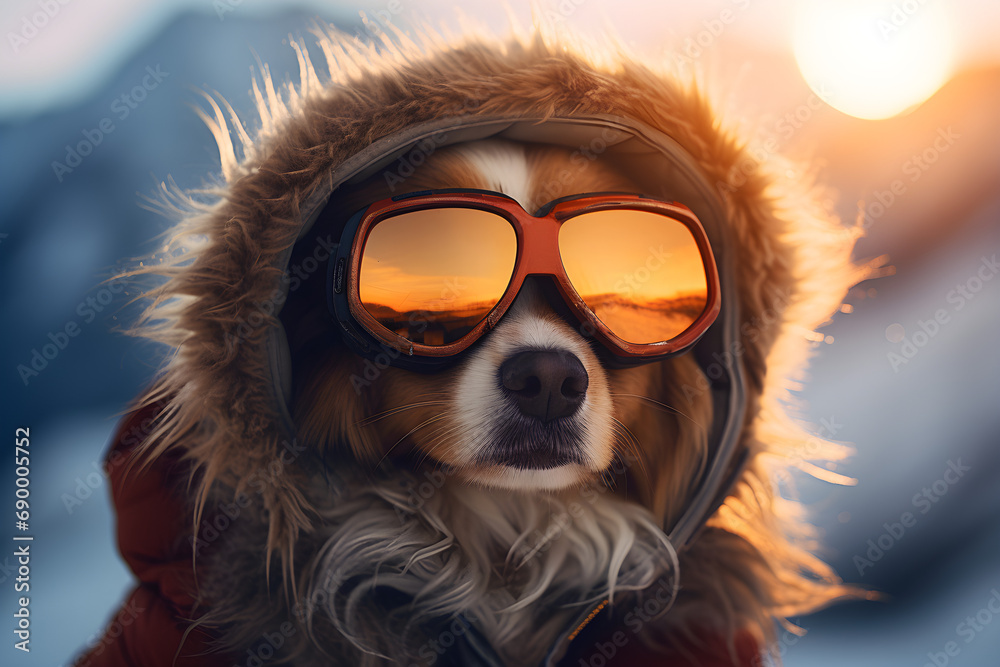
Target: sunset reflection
(431, 275)
(640, 272)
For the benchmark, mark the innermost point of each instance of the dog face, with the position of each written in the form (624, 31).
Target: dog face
(530, 407)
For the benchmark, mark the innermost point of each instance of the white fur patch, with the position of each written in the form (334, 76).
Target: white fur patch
(545, 480)
(504, 167)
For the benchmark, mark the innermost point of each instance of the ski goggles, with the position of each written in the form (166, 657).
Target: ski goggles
(420, 277)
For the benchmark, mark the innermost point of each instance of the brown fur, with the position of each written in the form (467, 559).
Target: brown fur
(753, 562)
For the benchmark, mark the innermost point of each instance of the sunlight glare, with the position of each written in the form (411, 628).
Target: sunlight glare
(874, 59)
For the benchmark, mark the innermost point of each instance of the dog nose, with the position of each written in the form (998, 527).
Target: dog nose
(546, 384)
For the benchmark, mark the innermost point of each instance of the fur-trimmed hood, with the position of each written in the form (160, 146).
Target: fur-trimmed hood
(225, 270)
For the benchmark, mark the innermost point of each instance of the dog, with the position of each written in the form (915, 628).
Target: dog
(512, 505)
(502, 515)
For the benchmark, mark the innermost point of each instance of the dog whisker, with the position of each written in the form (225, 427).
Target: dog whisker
(668, 408)
(617, 454)
(607, 479)
(371, 419)
(436, 442)
(631, 444)
(426, 422)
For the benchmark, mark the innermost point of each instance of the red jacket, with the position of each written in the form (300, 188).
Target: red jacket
(151, 628)
(153, 523)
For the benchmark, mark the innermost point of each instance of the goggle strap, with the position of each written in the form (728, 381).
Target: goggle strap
(719, 479)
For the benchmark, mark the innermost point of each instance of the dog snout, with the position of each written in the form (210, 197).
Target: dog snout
(545, 384)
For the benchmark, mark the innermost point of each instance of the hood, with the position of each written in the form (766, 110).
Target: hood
(381, 108)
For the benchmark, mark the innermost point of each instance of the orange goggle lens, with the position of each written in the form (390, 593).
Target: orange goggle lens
(641, 273)
(431, 275)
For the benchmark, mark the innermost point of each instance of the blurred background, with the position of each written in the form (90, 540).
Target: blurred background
(896, 104)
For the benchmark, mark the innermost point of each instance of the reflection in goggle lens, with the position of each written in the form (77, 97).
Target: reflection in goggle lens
(640, 272)
(432, 275)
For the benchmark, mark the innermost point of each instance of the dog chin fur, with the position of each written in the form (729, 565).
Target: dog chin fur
(547, 479)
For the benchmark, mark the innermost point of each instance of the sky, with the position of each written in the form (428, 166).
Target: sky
(55, 51)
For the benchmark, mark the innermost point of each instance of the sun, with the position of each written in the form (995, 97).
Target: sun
(874, 59)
